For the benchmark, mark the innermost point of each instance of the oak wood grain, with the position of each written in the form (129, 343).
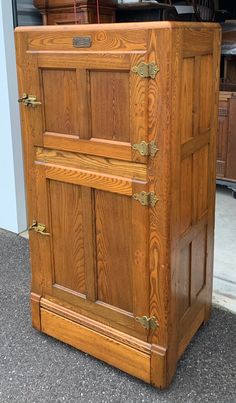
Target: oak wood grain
(120, 355)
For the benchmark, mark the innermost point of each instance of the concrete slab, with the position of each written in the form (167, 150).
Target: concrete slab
(224, 289)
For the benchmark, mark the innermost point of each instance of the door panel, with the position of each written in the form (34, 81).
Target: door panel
(110, 104)
(59, 94)
(114, 249)
(97, 251)
(67, 233)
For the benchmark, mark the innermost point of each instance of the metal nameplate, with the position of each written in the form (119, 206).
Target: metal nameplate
(82, 41)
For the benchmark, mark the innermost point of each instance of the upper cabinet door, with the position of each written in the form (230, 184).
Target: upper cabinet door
(93, 100)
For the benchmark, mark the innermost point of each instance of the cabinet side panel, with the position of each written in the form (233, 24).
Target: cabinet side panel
(197, 188)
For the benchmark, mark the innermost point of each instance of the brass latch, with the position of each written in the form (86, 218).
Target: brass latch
(40, 228)
(148, 323)
(146, 148)
(29, 100)
(146, 70)
(146, 198)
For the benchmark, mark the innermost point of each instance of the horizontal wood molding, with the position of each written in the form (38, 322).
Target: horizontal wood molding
(92, 163)
(95, 325)
(93, 147)
(194, 144)
(110, 183)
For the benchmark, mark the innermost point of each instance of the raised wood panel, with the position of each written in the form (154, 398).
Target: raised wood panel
(200, 183)
(114, 249)
(222, 139)
(67, 232)
(231, 160)
(186, 105)
(186, 190)
(198, 263)
(60, 106)
(206, 88)
(183, 282)
(220, 169)
(197, 42)
(110, 105)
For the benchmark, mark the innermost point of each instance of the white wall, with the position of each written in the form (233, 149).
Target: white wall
(12, 192)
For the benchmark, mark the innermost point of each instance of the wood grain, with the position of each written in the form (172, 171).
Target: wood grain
(110, 104)
(92, 163)
(67, 233)
(121, 356)
(114, 243)
(60, 90)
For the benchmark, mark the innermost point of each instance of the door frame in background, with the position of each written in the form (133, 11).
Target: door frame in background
(12, 200)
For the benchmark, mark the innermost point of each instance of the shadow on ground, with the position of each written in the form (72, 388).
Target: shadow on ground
(37, 368)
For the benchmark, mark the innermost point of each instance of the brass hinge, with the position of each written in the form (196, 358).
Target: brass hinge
(148, 323)
(40, 228)
(29, 100)
(146, 198)
(146, 148)
(146, 70)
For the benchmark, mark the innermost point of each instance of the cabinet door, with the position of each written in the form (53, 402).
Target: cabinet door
(85, 171)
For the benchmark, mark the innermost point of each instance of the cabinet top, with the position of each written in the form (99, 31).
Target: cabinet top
(121, 26)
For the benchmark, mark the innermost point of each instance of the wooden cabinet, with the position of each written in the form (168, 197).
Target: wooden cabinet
(226, 141)
(119, 145)
(64, 12)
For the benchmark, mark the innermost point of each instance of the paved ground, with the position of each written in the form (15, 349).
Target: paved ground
(37, 368)
(225, 250)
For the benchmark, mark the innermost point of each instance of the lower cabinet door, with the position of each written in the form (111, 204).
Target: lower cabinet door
(94, 245)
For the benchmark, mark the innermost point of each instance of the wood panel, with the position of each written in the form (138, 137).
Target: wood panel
(92, 163)
(114, 249)
(60, 109)
(231, 160)
(101, 347)
(226, 138)
(110, 104)
(196, 187)
(186, 105)
(206, 88)
(200, 183)
(183, 282)
(198, 263)
(186, 191)
(67, 235)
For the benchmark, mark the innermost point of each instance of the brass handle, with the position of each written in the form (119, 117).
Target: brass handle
(40, 228)
(29, 100)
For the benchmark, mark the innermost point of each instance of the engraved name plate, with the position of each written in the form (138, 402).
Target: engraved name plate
(82, 41)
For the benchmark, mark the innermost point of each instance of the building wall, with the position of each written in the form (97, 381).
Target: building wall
(12, 200)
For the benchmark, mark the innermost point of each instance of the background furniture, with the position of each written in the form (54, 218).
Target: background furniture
(226, 141)
(119, 144)
(58, 12)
